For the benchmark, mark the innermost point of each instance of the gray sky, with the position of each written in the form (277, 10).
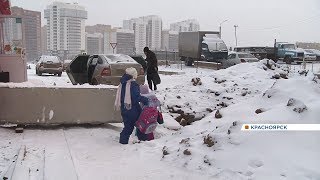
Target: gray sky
(259, 21)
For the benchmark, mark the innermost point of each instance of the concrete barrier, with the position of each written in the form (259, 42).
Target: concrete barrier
(208, 65)
(53, 106)
(170, 72)
(201, 64)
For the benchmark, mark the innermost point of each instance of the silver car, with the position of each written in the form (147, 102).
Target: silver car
(50, 65)
(314, 52)
(237, 58)
(102, 69)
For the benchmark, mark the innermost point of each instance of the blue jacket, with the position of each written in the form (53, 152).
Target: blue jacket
(133, 114)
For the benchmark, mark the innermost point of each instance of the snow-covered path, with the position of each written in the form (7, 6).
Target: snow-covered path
(86, 153)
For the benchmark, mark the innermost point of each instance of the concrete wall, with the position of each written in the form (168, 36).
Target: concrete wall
(15, 65)
(45, 106)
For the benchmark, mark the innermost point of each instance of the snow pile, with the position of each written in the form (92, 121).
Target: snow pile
(209, 147)
(208, 91)
(297, 105)
(219, 149)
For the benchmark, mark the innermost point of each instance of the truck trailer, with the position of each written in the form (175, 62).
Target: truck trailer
(201, 46)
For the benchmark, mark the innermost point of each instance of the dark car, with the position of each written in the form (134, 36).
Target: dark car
(139, 59)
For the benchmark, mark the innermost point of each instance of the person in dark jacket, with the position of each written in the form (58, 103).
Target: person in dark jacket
(152, 68)
(127, 99)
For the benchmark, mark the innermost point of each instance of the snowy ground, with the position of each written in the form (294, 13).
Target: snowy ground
(179, 152)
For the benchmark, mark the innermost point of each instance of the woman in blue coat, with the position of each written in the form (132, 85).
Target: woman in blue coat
(127, 99)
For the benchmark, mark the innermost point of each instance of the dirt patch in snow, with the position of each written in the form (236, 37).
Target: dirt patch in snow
(298, 106)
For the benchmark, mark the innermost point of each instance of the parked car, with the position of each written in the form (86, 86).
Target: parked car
(237, 58)
(139, 59)
(309, 56)
(66, 64)
(102, 69)
(49, 64)
(314, 51)
(259, 52)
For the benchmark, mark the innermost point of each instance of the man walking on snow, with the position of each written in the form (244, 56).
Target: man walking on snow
(152, 68)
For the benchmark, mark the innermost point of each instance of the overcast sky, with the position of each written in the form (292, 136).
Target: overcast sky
(259, 21)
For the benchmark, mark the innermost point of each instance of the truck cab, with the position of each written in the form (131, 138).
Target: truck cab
(288, 52)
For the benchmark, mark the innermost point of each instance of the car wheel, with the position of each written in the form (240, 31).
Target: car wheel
(59, 74)
(188, 62)
(287, 60)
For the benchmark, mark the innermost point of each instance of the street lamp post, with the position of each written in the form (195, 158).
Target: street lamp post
(235, 33)
(220, 29)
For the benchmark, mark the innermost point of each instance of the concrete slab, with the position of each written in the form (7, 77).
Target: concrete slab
(51, 106)
(171, 72)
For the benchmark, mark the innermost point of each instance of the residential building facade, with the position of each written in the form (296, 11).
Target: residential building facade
(32, 31)
(122, 40)
(170, 40)
(147, 30)
(98, 28)
(65, 29)
(44, 49)
(185, 26)
(94, 43)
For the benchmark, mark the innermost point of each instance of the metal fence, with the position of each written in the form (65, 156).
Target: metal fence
(167, 55)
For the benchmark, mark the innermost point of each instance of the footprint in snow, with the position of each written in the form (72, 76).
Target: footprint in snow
(248, 173)
(255, 163)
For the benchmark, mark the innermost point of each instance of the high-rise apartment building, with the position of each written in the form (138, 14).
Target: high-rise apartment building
(122, 39)
(185, 26)
(32, 31)
(65, 29)
(147, 30)
(140, 35)
(98, 28)
(101, 29)
(125, 41)
(44, 49)
(308, 45)
(94, 43)
(154, 29)
(170, 40)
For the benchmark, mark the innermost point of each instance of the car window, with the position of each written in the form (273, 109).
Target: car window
(138, 58)
(309, 51)
(116, 58)
(53, 59)
(94, 61)
(67, 61)
(288, 46)
(246, 56)
(232, 56)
